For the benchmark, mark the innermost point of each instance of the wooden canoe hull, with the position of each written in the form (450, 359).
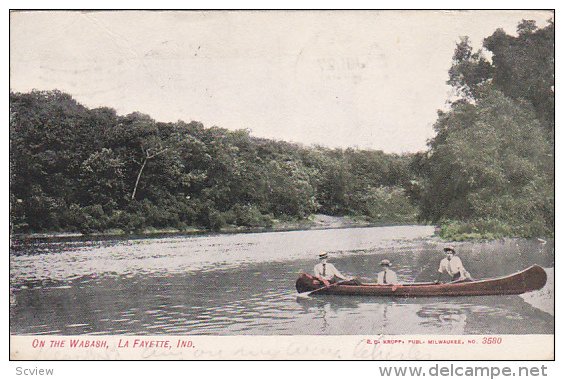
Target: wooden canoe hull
(532, 278)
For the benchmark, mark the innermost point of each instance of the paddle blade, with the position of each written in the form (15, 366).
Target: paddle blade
(304, 295)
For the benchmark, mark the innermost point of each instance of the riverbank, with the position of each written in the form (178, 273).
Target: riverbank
(490, 229)
(449, 231)
(314, 222)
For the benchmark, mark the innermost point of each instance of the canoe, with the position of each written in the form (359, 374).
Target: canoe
(530, 279)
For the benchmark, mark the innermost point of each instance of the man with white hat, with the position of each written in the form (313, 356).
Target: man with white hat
(452, 265)
(327, 272)
(387, 276)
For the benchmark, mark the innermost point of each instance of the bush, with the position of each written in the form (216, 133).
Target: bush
(247, 216)
(488, 229)
(159, 216)
(187, 215)
(85, 219)
(128, 222)
(212, 219)
(384, 204)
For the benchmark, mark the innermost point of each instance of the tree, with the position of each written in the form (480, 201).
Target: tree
(44, 157)
(79, 169)
(492, 157)
(524, 67)
(521, 67)
(290, 192)
(469, 70)
(143, 140)
(486, 161)
(102, 178)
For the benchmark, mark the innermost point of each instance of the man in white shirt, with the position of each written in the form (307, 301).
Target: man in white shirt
(452, 265)
(327, 272)
(387, 276)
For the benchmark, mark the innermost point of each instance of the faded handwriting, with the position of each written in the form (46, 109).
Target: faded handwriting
(110, 353)
(152, 353)
(299, 350)
(208, 354)
(258, 353)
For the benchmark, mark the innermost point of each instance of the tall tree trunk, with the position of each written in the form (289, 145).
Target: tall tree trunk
(138, 178)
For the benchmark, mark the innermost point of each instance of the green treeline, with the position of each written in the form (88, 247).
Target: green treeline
(488, 172)
(76, 169)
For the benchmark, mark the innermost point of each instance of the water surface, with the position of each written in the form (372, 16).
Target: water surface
(244, 284)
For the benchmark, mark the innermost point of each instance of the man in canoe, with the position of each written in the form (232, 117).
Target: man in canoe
(327, 272)
(387, 276)
(452, 265)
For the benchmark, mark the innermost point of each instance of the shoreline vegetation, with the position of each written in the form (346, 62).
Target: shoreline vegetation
(488, 172)
(448, 232)
(314, 222)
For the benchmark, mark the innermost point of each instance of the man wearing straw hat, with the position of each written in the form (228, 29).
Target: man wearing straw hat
(387, 276)
(327, 272)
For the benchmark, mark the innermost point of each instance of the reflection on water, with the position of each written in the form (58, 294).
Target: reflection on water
(464, 315)
(244, 284)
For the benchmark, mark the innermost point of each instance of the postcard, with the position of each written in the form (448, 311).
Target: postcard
(282, 185)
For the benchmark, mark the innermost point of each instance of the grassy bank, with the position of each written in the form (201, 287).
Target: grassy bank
(317, 221)
(490, 229)
(450, 230)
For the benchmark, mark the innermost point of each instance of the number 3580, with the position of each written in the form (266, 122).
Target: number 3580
(491, 340)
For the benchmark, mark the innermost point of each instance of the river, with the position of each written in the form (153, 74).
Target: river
(243, 284)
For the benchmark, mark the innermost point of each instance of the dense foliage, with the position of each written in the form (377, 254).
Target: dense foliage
(77, 169)
(488, 172)
(490, 168)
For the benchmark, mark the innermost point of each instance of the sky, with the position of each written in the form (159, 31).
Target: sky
(366, 79)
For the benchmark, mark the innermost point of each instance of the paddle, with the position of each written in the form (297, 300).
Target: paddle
(306, 294)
